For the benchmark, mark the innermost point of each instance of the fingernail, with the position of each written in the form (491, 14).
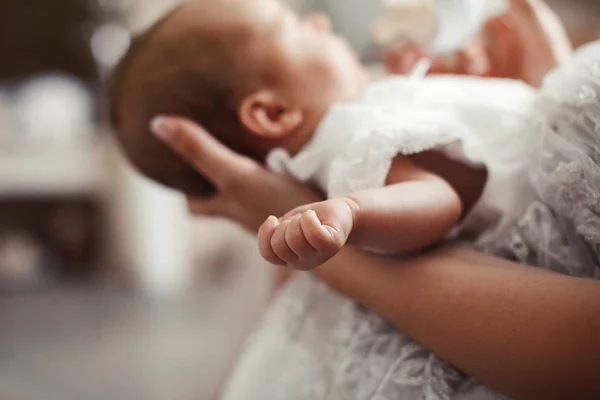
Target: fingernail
(162, 127)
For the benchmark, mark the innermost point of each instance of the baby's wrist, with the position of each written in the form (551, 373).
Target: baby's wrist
(354, 207)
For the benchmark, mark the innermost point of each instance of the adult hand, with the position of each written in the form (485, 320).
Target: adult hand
(247, 193)
(523, 44)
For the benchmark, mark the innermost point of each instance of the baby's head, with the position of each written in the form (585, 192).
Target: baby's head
(252, 72)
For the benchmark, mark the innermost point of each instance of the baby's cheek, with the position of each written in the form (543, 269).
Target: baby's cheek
(316, 79)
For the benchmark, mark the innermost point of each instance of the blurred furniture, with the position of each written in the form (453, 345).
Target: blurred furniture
(54, 197)
(49, 191)
(34, 171)
(41, 35)
(150, 232)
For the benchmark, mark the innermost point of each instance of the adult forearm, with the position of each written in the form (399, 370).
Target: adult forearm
(528, 333)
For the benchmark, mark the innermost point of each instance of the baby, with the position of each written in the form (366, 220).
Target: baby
(405, 162)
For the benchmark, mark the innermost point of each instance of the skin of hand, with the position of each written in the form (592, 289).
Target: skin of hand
(414, 210)
(524, 44)
(308, 236)
(247, 193)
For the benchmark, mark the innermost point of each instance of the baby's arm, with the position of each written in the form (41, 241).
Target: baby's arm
(416, 209)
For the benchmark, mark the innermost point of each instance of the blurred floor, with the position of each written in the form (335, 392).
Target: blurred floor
(77, 344)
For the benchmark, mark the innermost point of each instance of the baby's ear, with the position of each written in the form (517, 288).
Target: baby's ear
(268, 115)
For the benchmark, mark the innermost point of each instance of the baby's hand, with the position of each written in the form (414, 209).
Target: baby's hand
(308, 236)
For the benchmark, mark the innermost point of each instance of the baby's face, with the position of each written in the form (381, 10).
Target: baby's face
(309, 63)
(315, 65)
(285, 71)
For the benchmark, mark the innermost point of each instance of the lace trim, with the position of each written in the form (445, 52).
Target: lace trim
(366, 162)
(328, 348)
(567, 172)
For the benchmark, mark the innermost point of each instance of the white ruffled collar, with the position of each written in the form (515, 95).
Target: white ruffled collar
(336, 128)
(343, 119)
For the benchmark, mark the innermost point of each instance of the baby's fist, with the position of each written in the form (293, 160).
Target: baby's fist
(308, 236)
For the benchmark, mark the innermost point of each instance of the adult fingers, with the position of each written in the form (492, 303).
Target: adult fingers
(402, 58)
(215, 206)
(504, 44)
(201, 150)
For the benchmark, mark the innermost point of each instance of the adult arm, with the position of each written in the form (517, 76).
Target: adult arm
(525, 43)
(526, 332)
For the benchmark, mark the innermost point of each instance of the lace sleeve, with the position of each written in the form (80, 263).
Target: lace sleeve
(365, 162)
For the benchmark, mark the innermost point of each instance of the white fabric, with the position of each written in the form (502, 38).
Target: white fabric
(474, 120)
(443, 25)
(317, 345)
(460, 20)
(562, 231)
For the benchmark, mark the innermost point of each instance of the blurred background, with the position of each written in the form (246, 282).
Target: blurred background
(108, 289)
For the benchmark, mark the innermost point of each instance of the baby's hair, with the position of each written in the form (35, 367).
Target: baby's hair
(193, 73)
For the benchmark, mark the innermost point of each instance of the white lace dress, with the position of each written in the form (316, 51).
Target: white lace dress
(476, 121)
(316, 345)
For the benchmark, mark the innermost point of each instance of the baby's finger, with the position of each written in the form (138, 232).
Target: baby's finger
(280, 246)
(295, 212)
(294, 237)
(320, 237)
(265, 234)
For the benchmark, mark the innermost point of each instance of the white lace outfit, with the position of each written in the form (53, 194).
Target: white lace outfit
(477, 121)
(561, 231)
(314, 344)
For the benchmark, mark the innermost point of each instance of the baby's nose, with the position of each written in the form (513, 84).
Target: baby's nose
(319, 20)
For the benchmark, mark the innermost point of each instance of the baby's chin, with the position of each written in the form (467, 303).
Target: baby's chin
(365, 77)
(357, 87)
(353, 84)
(361, 77)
